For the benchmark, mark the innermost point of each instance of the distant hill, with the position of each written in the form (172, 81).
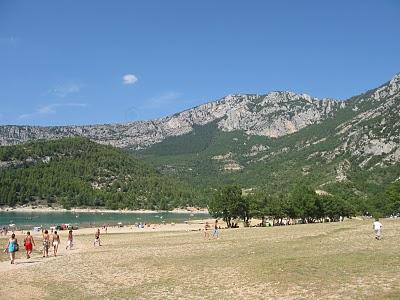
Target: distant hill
(77, 172)
(264, 143)
(272, 115)
(353, 153)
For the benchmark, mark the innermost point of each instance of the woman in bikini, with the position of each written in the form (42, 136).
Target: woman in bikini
(12, 247)
(28, 243)
(55, 242)
(46, 243)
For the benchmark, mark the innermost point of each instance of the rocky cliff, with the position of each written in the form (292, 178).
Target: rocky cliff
(272, 115)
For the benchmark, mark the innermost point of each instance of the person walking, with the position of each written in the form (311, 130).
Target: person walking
(12, 247)
(46, 243)
(97, 238)
(29, 243)
(55, 242)
(377, 229)
(69, 240)
(216, 230)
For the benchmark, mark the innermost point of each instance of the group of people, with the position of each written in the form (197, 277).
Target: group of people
(52, 240)
(215, 233)
(29, 242)
(4, 231)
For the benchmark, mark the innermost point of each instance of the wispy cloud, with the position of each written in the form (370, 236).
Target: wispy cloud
(163, 99)
(65, 89)
(50, 109)
(154, 107)
(129, 79)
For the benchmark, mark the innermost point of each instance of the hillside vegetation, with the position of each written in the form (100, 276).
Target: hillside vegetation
(353, 155)
(78, 172)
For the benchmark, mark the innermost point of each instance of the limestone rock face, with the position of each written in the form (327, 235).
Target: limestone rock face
(375, 130)
(372, 130)
(273, 115)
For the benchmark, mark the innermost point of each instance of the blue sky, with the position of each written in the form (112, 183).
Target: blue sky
(86, 62)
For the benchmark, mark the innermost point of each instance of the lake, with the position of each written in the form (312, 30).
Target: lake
(27, 220)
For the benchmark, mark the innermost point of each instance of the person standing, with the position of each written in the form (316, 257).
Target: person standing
(377, 229)
(216, 230)
(69, 240)
(12, 247)
(46, 243)
(206, 234)
(29, 243)
(55, 242)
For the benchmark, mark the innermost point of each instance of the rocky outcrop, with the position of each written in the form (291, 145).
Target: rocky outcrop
(375, 131)
(272, 115)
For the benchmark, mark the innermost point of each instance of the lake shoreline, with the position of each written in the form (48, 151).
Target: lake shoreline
(43, 209)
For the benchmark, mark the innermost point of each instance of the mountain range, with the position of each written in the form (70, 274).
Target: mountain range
(263, 142)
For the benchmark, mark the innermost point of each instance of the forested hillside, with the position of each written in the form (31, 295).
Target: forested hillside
(353, 155)
(78, 172)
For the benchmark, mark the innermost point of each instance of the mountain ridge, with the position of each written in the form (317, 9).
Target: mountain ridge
(236, 110)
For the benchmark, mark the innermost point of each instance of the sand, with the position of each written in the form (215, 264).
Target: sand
(312, 261)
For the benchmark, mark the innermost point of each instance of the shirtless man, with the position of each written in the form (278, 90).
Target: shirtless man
(46, 243)
(55, 242)
(69, 240)
(216, 230)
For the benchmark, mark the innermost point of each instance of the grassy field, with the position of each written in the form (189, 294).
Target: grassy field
(314, 261)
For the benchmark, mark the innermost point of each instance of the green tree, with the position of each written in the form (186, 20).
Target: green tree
(393, 198)
(229, 204)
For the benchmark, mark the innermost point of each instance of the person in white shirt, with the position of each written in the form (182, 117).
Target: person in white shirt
(377, 228)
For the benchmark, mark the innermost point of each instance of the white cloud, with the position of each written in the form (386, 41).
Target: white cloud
(129, 79)
(49, 109)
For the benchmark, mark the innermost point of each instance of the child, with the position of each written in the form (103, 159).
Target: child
(377, 228)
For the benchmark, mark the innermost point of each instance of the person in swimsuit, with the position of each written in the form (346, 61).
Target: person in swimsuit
(28, 243)
(69, 240)
(12, 247)
(46, 243)
(97, 238)
(206, 234)
(55, 242)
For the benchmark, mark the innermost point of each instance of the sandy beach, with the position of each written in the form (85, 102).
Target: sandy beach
(313, 261)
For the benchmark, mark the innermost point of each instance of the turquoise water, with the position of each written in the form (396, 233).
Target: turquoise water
(27, 220)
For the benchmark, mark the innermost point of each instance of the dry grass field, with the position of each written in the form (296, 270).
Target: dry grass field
(314, 261)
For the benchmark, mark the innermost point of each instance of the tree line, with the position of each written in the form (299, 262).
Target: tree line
(302, 204)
